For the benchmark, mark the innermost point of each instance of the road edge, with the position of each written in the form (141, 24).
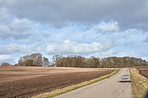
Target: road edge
(139, 84)
(73, 87)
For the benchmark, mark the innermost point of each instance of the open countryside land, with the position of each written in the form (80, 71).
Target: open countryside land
(143, 71)
(117, 86)
(19, 81)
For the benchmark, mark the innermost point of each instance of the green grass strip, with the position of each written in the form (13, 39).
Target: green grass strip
(73, 87)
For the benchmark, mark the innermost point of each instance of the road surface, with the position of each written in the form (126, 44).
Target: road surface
(117, 86)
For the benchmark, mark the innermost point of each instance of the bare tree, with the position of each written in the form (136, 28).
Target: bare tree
(5, 64)
(35, 59)
(45, 62)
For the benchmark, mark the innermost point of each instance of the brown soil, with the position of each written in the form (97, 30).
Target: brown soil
(143, 71)
(29, 81)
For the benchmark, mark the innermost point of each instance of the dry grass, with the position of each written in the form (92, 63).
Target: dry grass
(73, 87)
(139, 84)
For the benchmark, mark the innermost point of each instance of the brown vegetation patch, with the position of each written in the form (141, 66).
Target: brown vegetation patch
(139, 83)
(29, 81)
(143, 71)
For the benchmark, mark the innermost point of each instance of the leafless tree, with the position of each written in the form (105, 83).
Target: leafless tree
(35, 59)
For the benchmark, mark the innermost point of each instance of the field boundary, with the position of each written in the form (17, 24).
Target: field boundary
(73, 87)
(139, 83)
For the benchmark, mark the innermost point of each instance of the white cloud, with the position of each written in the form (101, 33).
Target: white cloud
(130, 32)
(4, 15)
(108, 27)
(8, 58)
(70, 47)
(17, 29)
(108, 53)
(5, 57)
(142, 55)
(130, 53)
(17, 49)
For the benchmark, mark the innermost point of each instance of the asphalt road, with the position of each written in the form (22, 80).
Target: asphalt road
(117, 86)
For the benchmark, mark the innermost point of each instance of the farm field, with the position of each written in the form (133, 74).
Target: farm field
(19, 81)
(143, 71)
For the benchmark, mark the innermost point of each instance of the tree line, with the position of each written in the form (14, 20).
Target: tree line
(37, 59)
(96, 62)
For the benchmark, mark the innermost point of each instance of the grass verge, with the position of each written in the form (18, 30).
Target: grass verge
(73, 87)
(139, 84)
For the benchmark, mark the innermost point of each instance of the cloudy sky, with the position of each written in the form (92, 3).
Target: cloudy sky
(98, 28)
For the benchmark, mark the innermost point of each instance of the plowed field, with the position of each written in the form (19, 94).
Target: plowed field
(143, 71)
(28, 81)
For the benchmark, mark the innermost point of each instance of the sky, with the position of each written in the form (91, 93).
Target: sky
(100, 28)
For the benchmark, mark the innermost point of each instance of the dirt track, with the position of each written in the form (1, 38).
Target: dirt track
(29, 81)
(143, 71)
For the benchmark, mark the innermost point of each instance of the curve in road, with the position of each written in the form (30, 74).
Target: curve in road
(117, 86)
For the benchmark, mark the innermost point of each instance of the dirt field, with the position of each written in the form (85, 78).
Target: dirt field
(29, 81)
(143, 71)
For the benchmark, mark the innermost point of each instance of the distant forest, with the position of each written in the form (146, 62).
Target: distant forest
(37, 59)
(94, 62)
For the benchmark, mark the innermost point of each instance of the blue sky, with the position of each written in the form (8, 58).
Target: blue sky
(98, 28)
